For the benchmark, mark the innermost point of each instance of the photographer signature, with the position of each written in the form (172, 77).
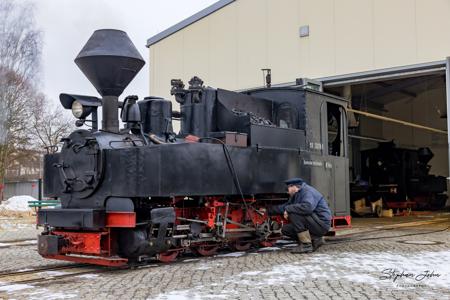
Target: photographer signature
(394, 274)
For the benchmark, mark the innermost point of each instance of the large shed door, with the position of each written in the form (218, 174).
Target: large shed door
(402, 72)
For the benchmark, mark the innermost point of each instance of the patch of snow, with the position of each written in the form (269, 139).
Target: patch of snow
(177, 295)
(191, 259)
(232, 254)
(350, 267)
(209, 264)
(30, 242)
(24, 269)
(53, 273)
(284, 242)
(417, 242)
(22, 225)
(268, 249)
(363, 268)
(196, 293)
(17, 203)
(87, 276)
(15, 226)
(53, 296)
(13, 287)
(45, 294)
(252, 273)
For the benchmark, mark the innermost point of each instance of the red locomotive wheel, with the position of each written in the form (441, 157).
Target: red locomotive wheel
(206, 250)
(240, 245)
(168, 256)
(266, 244)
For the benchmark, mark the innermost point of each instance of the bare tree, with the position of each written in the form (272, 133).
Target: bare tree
(13, 95)
(20, 52)
(48, 124)
(21, 42)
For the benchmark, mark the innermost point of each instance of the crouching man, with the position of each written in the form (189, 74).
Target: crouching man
(308, 214)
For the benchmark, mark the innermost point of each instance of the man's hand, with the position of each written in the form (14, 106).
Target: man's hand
(285, 215)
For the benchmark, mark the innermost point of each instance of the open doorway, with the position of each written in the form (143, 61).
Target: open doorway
(398, 144)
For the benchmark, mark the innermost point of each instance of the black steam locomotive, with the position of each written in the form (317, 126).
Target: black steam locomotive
(399, 174)
(143, 191)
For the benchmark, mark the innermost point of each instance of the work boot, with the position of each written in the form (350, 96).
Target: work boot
(317, 241)
(304, 243)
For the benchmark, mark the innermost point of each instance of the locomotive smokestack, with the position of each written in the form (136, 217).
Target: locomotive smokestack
(110, 61)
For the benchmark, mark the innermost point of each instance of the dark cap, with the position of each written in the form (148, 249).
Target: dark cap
(294, 181)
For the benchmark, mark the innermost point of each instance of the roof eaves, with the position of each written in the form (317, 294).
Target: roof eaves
(186, 22)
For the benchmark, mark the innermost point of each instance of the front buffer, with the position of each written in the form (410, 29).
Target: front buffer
(83, 235)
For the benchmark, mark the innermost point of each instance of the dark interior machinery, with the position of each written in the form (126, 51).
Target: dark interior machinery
(144, 191)
(400, 176)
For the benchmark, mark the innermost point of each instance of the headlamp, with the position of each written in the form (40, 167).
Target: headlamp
(77, 109)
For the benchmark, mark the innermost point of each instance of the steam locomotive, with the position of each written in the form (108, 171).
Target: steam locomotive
(143, 191)
(397, 174)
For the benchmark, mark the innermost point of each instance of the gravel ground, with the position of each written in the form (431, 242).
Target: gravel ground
(408, 267)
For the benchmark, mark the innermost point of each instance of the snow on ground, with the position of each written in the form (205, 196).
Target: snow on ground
(53, 273)
(374, 268)
(191, 260)
(268, 249)
(17, 203)
(378, 269)
(277, 242)
(16, 216)
(45, 294)
(29, 242)
(15, 224)
(87, 276)
(232, 254)
(4, 287)
(189, 295)
(32, 292)
(209, 264)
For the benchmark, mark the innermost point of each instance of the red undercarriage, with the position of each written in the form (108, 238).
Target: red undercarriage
(95, 247)
(99, 247)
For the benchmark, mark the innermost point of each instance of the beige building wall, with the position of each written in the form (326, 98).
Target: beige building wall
(228, 48)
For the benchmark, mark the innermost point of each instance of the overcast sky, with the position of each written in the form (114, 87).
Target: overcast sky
(67, 25)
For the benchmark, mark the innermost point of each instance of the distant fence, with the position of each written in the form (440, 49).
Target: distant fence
(17, 188)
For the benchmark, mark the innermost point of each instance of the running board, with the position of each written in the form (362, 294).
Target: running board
(101, 261)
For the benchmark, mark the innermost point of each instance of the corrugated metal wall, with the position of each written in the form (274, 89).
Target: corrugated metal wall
(20, 188)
